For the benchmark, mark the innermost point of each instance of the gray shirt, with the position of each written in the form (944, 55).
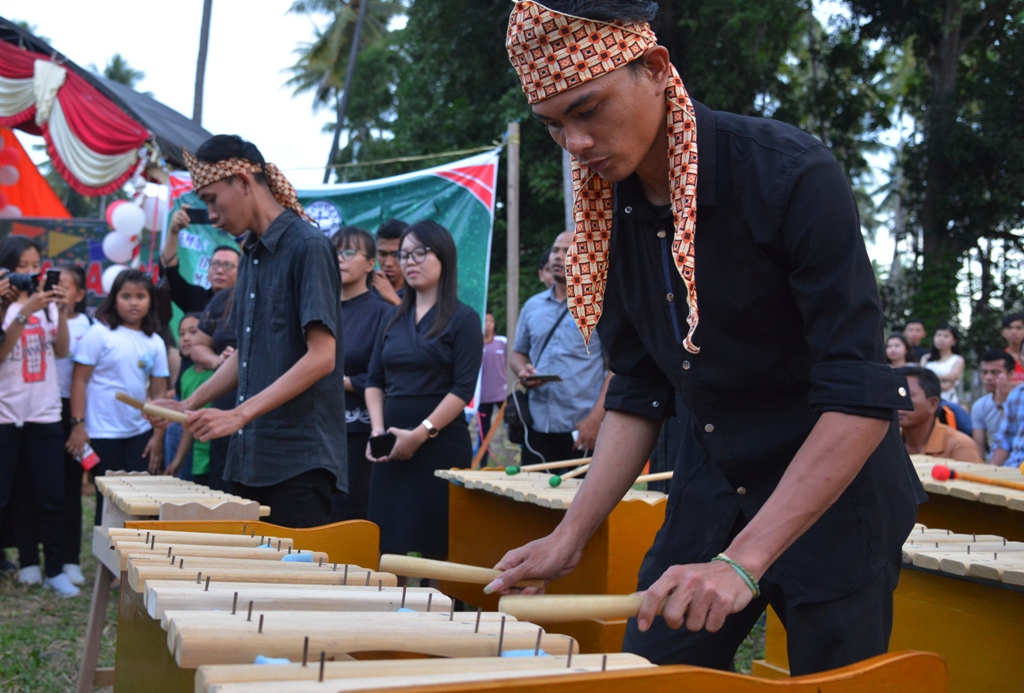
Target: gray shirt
(558, 407)
(288, 279)
(986, 415)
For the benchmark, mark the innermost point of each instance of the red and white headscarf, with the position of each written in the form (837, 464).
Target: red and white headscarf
(204, 173)
(555, 52)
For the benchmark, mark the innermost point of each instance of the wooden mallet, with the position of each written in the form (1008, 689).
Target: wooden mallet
(151, 409)
(513, 470)
(941, 472)
(410, 566)
(555, 481)
(564, 608)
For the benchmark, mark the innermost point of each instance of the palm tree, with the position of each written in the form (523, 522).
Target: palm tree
(327, 64)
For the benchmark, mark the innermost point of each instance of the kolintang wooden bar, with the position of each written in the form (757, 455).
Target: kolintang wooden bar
(491, 512)
(961, 596)
(970, 507)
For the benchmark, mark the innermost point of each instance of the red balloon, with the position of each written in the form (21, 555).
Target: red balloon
(9, 156)
(110, 210)
(3, 200)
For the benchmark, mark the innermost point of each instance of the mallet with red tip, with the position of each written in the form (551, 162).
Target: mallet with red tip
(941, 472)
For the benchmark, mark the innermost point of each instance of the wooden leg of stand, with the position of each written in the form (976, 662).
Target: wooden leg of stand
(94, 631)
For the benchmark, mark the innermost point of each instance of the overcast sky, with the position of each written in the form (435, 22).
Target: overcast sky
(252, 44)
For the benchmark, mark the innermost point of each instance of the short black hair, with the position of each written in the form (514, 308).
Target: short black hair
(910, 322)
(1010, 317)
(999, 355)
(224, 147)
(926, 378)
(233, 248)
(391, 229)
(607, 10)
(935, 355)
(12, 248)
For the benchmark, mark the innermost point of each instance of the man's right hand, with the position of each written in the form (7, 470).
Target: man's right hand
(383, 286)
(524, 377)
(179, 220)
(548, 558)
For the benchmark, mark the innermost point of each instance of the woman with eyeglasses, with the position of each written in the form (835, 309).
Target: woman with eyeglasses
(363, 314)
(423, 372)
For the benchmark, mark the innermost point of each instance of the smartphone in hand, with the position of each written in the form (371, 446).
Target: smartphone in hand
(382, 445)
(52, 279)
(198, 216)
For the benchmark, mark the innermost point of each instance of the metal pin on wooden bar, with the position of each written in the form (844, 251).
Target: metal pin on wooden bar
(249, 617)
(501, 636)
(289, 551)
(380, 585)
(234, 604)
(344, 578)
(604, 662)
(451, 614)
(152, 544)
(199, 578)
(403, 597)
(261, 626)
(536, 649)
(568, 660)
(207, 588)
(323, 658)
(335, 568)
(169, 551)
(147, 537)
(476, 629)
(172, 560)
(181, 563)
(430, 597)
(320, 564)
(278, 544)
(252, 535)
(305, 651)
(367, 578)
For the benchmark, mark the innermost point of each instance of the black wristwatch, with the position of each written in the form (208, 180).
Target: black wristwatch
(75, 421)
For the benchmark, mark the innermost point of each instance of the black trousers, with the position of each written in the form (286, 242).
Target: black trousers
(820, 636)
(118, 454)
(352, 504)
(552, 447)
(38, 449)
(302, 501)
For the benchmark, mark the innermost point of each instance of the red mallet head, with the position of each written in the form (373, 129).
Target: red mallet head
(941, 472)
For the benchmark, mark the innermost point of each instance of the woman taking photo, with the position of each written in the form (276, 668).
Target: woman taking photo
(945, 360)
(422, 374)
(364, 313)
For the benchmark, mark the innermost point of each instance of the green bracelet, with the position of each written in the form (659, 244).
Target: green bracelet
(742, 572)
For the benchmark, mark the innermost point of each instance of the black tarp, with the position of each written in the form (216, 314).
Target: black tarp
(170, 129)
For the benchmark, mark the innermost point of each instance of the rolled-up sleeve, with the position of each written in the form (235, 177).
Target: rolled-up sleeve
(638, 386)
(835, 290)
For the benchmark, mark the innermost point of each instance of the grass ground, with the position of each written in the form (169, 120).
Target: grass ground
(42, 636)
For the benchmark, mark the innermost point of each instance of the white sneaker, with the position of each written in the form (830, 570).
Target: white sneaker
(30, 575)
(74, 573)
(62, 586)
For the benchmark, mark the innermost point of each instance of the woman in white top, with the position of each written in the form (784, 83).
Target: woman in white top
(31, 437)
(945, 360)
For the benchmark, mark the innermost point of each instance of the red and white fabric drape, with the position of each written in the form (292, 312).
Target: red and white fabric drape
(92, 143)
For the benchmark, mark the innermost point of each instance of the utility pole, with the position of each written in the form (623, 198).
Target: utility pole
(349, 74)
(512, 252)
(204, 46)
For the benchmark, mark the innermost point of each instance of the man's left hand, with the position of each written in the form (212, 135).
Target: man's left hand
(407, 442)
(588, 429)
(700, 595)
(206, 424)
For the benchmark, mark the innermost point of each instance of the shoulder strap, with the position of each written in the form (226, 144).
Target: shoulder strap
(551, 333)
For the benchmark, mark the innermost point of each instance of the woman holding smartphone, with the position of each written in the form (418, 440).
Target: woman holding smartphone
(422, 374)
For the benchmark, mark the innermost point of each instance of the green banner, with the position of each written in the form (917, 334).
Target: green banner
(459, 196)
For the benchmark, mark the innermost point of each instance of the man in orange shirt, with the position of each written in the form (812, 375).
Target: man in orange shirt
(923, 433)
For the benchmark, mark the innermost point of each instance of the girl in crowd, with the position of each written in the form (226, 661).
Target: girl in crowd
(31, 437)
(72, 281)
(122, 352)
(364, 313)
(422, 374)
(945, 360)
(191, 457)
(897, 350)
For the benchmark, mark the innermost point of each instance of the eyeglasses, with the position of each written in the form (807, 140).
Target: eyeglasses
(348, 253)
(417, 256)
(220, 265)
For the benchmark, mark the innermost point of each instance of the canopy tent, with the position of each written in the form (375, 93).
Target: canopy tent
(94, 128)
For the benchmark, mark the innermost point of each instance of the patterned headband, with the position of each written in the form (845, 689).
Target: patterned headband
(205, 173)
(554, 52)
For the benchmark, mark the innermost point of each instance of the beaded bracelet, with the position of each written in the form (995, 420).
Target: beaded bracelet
(742, 572)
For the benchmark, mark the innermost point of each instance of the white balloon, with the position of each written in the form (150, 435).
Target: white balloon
(109, 275)
(156, 210)
(128, 219)
(9, 175)
(10, 212)
(117, 247)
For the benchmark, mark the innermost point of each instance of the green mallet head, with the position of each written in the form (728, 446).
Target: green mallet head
(512, 470)
(555, 481)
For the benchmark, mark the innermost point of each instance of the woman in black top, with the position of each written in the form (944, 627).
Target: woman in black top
(363, 313)
(211, 347)
(422, 374)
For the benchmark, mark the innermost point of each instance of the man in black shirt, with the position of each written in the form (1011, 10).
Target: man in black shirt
(791, 485)
(287, 433)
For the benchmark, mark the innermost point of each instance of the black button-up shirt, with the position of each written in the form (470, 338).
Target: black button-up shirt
(790, 327)
(288, 279)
